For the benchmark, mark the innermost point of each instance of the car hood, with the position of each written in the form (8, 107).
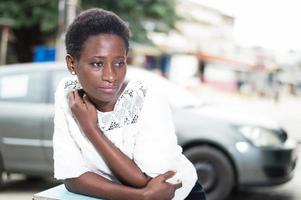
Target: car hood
(236, 115)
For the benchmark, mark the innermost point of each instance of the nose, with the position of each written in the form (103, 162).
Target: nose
(108, 73)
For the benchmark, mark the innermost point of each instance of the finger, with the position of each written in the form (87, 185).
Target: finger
(81, 92)
(77, 98)
(86, 99)
(88, 102)
(168, 175)
(178, 185)
(70, 96)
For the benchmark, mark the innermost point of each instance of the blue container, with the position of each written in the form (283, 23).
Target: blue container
(44, 54)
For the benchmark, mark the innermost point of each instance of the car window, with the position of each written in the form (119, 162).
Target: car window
(57, 76)
(23, 87)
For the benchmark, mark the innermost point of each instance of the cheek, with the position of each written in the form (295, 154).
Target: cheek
(87, 78)
(122, 73)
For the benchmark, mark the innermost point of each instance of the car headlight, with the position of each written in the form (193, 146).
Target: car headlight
(260, 136)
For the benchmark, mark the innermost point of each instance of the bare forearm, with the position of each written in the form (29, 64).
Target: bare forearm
(123, 168)
(94, 185)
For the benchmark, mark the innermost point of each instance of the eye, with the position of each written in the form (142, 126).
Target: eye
(119, 63)
(97, 64)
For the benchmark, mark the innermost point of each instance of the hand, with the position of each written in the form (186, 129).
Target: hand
(83, 110)
(159, 189)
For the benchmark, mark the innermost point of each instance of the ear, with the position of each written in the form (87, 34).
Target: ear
(71, 64)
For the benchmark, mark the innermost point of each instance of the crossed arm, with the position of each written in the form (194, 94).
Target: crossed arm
(135, 184)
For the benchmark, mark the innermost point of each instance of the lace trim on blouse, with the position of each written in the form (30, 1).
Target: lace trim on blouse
(127, 108)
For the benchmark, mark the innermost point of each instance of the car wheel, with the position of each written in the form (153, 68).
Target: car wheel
(34, 178)
(214, 171)
(1, 171)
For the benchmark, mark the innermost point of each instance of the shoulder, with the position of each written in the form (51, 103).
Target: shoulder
(154, 94)
(136, 87)
(145, 87)
(154, 98)
(67, 84)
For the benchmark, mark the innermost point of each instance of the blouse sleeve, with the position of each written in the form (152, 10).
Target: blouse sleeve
(68, 159)
(156, 148)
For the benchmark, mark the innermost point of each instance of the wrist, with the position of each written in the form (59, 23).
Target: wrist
(90, 129)
(144, 194)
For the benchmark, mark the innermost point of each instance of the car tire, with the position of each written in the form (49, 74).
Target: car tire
(34, 178)
(1, 171)
(214, 170)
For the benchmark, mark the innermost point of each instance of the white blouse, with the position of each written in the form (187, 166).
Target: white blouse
(140, 126)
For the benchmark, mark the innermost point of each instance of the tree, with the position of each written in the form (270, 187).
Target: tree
(34, 21)
(142, 15)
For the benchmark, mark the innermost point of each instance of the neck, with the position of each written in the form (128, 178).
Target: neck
(105, 106)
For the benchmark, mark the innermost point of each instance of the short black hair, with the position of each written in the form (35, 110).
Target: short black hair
(93, 22)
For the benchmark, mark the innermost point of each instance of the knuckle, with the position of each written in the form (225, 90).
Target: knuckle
(75, 105)
(71, 104)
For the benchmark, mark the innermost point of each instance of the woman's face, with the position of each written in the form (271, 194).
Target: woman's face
(102, 67)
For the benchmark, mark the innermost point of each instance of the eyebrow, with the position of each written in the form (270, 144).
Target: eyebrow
(103, 57)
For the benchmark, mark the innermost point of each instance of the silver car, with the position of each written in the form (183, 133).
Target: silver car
(227, 151)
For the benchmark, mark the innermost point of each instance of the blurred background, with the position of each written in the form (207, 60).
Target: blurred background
(246, 54)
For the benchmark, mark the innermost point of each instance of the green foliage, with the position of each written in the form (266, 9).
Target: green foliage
(142, 15)
(35, 20)
(158, 14)
(32, 22)
(31, 13)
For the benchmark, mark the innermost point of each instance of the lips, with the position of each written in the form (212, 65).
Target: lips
(109, 90)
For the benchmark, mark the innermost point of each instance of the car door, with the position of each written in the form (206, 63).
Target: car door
(48, 126)
(22, 106)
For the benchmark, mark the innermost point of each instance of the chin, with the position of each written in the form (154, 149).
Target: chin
(101, 96)
(106, 97)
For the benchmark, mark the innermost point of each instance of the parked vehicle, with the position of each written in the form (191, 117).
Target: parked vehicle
(228, 150)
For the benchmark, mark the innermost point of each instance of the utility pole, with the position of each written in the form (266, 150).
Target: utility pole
(67, 12)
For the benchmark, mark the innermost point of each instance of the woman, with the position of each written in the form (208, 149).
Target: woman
(114, 139)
